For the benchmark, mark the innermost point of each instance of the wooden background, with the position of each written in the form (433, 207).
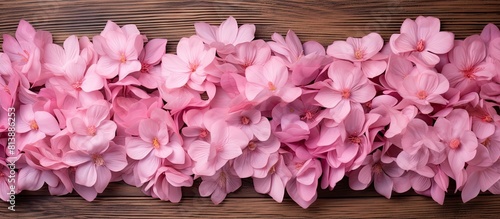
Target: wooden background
(323, 21)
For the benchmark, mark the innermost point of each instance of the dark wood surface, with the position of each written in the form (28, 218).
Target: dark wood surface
(323, 21)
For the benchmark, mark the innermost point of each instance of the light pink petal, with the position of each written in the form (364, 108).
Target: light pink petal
(471, 188)
(373, 68)
(440, 43)
(427, 58)
(207, 187)
(363, 94)
(228, 31)
(262, 185)
(290, 94)
(365, 175)
(47, 123)
(246, 33)
(148, 130)
(328, 97)
(75, 158)
(147, 167)
(405, 43)
(115, 158)
(128, 67)
(86, 174)
(107, 67)
(199, 151)
(72, 48)
(383, 185)
(154, 49)
(341, 50)
(103, 178)
(137, 148)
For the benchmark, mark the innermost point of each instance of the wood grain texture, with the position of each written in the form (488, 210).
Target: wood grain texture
(369, 207)
(323, 21)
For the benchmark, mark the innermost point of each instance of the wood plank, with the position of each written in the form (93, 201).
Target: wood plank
(323, 21)
(369, 207)
(342, 190)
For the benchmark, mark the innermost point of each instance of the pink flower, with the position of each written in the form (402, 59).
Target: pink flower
(189, 65)
(422, 89)
(484, 118)
(246, 54)
(275, 181)
(302, 187)
(270, 80)
(150, 57)
(420, 41)
(354, 144)
(92, 128)
(349, 87)
(397, 120)
(225, 36)
(256, 155)
(225, 143)
(56, 58)
(479, 179)
(167, 184)
(24, 53)
(119, 49)
(398, 69)
(252, 123)
(467, 69)
(37, 124)
(377, 171)
(219, 184)
(361, 52)
(455, 132)
(155, 143)
(94, 166)
(421, 147)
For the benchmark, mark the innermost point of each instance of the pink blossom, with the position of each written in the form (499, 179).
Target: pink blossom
(377, 171)
(219, 184)
(92, 128)
(275, 181)
(467, 68)
(484, 118)
(361, 52)
(479, 179)
(354, 144)
(94, 166)
(167, 184)
(420, 40)
(397, 120)
(57, 58)
(252, 123)
(455, 132)
(225, 36)
(225, 143)
(246, 54)
(189, 65)
(37, 124)
(23, 51)
(256, 155)
(422, 89)
(421, 147)
(349, 87)
(155, 142)
(302, 187)
(119, 49)
(150, 57)
(398, 69)
(270, 80)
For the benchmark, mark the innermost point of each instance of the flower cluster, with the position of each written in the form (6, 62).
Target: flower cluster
(410, 114)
